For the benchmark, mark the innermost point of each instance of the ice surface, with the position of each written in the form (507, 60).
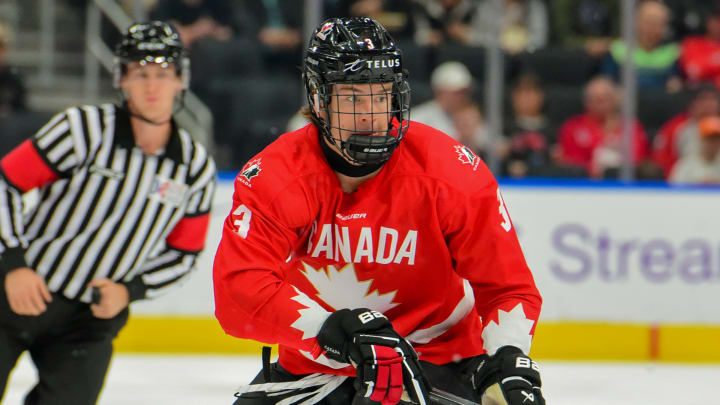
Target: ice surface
(211, 380)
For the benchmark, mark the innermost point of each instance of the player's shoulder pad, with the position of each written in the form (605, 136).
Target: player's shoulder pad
(283, 166)
(439, 156)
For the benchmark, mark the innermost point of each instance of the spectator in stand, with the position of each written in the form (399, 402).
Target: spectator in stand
(440, 21)
(529, 131)
(524, 23)
(594, 139)
(687, 17)
(452, 86)
(590, 24)
(681, 135)
(656, 62)
(12, 88)
(195, 19)
(700, 55)
(470, 128)
(701, 166)
(277, 26)
(394, 15)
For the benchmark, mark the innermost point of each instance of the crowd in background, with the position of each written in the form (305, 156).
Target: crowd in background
(562, 67)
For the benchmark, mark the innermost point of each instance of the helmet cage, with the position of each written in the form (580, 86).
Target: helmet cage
(366, 145)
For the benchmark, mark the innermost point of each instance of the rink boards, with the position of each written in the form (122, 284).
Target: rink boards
(626, 273)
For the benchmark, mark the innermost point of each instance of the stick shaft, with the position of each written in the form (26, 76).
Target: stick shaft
(440, 397)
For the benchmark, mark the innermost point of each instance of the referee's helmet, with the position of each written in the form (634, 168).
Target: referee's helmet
(153, 42)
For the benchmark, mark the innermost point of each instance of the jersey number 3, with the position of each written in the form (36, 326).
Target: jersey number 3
(242, 221)
(506, 224)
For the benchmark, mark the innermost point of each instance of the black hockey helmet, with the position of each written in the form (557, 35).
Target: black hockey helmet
(361, 51)
(153, 42)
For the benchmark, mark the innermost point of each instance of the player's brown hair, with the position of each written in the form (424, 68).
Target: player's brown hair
(305, 112)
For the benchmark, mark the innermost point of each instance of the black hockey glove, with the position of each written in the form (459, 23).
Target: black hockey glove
(507, 378)
(385, 362)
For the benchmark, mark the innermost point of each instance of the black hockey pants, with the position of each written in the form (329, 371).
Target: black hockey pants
(69, 346)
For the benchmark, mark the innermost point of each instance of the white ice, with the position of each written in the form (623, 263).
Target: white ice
(211, 380)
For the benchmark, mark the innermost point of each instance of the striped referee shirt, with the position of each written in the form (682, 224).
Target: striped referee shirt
(106, 209)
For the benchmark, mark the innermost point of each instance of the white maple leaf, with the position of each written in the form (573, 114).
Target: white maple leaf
(311, 318)
(513, 328)
(342, 289)
(322, 359)
(339, 289)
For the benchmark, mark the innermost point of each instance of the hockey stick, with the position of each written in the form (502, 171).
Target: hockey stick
(440, 397)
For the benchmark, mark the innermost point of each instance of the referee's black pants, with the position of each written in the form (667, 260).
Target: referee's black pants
(69, 346)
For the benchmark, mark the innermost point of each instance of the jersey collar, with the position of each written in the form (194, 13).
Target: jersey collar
(124, 135)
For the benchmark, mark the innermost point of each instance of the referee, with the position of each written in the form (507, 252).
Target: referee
(125, 196)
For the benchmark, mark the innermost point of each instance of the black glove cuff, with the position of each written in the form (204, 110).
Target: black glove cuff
(12, 258)
(136, 288)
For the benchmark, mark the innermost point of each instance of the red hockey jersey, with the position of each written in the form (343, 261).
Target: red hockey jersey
(428, 242)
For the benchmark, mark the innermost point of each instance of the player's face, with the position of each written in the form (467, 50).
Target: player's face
(150, 89)
(360, 109)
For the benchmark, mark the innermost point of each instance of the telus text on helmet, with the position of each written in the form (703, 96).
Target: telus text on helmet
(357, 64)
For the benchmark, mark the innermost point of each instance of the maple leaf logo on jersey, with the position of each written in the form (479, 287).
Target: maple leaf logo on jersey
(512, 327)
(467, 157)
(338, 288)
(251, 169)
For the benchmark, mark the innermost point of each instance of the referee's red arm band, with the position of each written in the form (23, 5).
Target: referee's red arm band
(189, 234)
(25, 169)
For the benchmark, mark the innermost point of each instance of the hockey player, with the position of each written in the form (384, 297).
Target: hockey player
(123, 209)
(376, 252)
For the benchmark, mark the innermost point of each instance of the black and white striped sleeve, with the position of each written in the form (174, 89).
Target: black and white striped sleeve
(51, 154)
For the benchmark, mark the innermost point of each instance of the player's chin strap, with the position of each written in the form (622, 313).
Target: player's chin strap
(340, 165)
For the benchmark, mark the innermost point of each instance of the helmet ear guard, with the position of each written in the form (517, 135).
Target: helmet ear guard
(185, 72)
